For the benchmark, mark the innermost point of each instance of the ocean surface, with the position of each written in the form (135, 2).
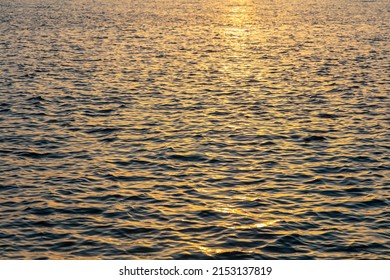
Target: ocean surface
(194, 129)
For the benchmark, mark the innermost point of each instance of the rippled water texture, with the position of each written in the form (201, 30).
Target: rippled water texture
(194, 129)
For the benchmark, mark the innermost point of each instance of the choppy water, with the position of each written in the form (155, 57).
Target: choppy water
(244, 129)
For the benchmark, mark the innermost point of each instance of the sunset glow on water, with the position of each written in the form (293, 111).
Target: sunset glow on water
(194, 129)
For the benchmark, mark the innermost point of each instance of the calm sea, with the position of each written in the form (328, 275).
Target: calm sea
(194, 129)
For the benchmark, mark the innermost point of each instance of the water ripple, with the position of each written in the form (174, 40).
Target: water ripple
(194, 129)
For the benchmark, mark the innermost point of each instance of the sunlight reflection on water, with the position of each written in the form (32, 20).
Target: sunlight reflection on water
(194, 129)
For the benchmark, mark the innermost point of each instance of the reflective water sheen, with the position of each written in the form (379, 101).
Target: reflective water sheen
(187, 129)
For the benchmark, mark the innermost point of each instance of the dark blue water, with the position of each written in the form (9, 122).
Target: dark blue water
(194, 129)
